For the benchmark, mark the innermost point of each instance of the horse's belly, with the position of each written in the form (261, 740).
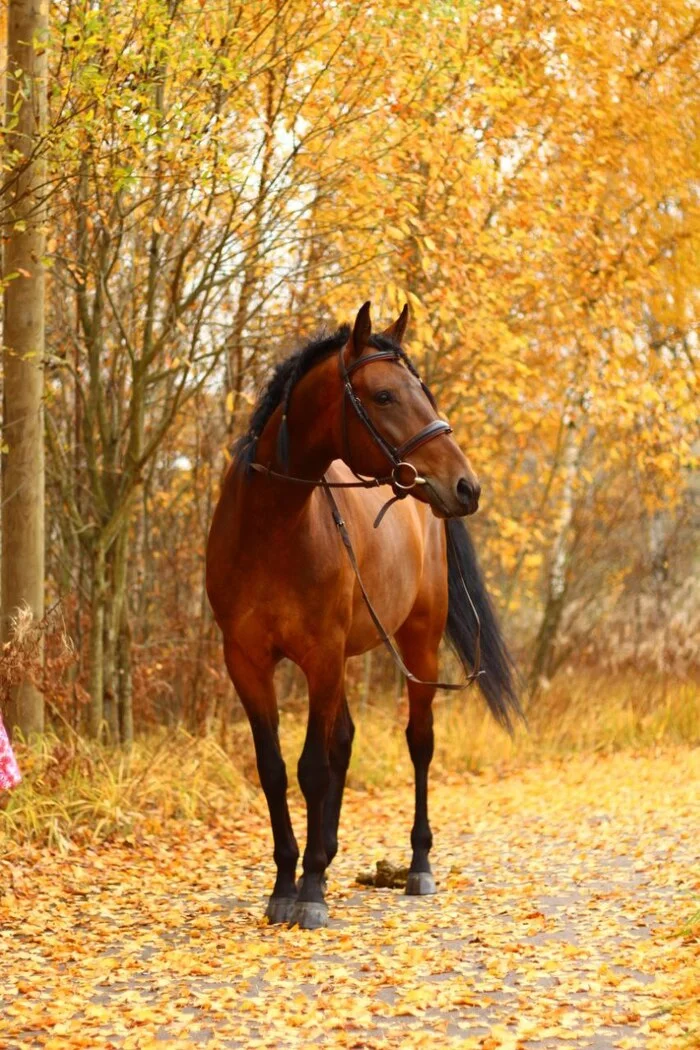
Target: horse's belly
(364, 635)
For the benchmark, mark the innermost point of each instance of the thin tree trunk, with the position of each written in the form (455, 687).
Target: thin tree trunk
(366, 679)
(114, 613)
(23, 340)
(126, 711)
(558, 573)
(659, 564)
(97, 622)
(252, 256)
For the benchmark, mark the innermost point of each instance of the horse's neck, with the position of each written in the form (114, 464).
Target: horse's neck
(311, 439)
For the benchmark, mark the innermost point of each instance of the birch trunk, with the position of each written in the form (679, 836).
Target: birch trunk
(23, 338)
(558, 573)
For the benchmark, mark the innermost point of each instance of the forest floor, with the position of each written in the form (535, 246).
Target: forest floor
(566, 916)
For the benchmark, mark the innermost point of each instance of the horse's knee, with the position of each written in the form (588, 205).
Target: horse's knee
(313, 771)
(272, 772)
(342, 746)
(271, 768)
(421, 742)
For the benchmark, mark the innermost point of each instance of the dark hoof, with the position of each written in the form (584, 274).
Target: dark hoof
(279, 909)
(309, 915)
(420, 884)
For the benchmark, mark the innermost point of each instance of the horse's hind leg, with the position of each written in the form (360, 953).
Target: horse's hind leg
(339, 757)
(257, 693)
(420, 655)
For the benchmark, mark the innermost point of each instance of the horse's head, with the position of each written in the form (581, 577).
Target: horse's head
(390, 423)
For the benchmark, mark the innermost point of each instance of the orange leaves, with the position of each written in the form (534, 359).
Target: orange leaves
(542, 931)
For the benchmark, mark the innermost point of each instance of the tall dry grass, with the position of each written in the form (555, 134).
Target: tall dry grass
(74, 791)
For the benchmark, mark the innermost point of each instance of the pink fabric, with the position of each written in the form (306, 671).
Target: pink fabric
(9, 770)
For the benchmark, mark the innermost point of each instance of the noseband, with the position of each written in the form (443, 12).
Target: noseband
(404, 475)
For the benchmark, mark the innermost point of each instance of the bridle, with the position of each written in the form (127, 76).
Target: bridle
(403, 476)
(401, 488)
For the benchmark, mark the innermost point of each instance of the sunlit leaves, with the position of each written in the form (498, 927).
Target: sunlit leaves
(564, 915)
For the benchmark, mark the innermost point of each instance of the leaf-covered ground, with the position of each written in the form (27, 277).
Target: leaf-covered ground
(564, 919)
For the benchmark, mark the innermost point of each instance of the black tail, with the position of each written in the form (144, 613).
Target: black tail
(497, 682)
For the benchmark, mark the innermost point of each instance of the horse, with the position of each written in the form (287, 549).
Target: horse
(296, 569)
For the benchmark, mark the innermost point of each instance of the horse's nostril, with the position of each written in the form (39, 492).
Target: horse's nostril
(468, 492)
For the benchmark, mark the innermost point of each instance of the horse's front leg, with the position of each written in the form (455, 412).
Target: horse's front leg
(421, 659)
(325, 698)
(257, 693)
(339, 756)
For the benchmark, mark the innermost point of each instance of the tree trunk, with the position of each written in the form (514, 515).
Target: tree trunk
(126, 712)
(558, 573)
(114, 616)
(97, 622)
(23, 339)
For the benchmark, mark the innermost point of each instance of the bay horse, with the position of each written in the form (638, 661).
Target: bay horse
(287, 577)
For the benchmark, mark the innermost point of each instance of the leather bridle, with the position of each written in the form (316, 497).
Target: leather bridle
(404, 476)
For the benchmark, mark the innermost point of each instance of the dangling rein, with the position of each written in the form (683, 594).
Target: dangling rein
(396, 656)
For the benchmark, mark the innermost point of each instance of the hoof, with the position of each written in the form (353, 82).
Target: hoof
(420, 884)
(309, 915)
(279, 909)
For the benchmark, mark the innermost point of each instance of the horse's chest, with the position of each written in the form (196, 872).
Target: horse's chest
(391, 588)
(300, 586)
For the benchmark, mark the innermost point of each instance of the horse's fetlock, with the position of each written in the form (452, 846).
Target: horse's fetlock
(286, 858)
(421, 839)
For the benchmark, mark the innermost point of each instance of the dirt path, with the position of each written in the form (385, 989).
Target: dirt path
(562, 888)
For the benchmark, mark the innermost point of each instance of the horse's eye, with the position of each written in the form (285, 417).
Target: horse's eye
(383, 397)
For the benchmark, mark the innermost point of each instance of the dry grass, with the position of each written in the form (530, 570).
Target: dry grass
(578, 714)
(79, 793)
(76, 792)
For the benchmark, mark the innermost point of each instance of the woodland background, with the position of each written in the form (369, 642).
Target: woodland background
(215, 182)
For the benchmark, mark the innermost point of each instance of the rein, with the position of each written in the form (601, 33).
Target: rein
(401, 483)
(393, 651)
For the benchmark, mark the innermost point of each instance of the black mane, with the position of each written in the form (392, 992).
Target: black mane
(288, 373)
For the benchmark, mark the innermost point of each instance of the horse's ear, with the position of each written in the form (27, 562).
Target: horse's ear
(397, 330)
(361, 332)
